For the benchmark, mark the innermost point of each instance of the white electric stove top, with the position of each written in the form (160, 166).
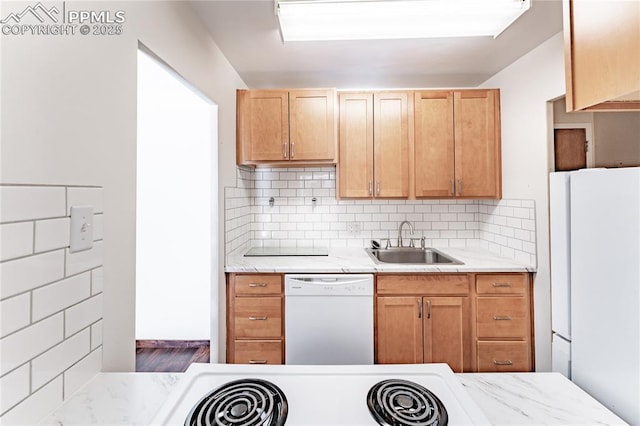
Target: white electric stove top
(323, 394)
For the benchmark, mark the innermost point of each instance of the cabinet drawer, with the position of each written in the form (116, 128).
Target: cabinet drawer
(504, 356)
(502, 284)
(247, 285)
(258, 317)
(258, 352)
(502, 317)
(433, 284)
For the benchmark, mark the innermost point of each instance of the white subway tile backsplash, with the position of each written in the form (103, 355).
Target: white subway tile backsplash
(52, 234)
(98, 227)
(42, 291)
(96, 281)
(20, 347)
(21, 203)
(56, 297)
(14, 313)
(79, 374)
(59, 358)
(449, 223)
(83, 314)
(16, 240)
(84, 260)
(15, 388)
(36, 406)
(28, 273)
(83, 196)
(96, 335)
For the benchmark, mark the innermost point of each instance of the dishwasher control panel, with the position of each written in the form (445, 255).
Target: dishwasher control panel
(321, 284)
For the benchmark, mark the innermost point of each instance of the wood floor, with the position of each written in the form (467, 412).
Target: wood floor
(169, 356)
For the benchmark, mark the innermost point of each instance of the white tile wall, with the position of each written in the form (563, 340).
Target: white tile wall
(50, 300)
(508, 228)
(238, 211)
(504, 226)
(52, 234)
(14, 314)
(16, 240)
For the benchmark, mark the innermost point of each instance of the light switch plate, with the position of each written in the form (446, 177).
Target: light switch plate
(81, 228)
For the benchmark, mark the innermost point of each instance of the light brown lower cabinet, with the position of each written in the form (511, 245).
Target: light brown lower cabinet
(255, 326)
(503, 356)
(433, 325)
(504, 330)
(473, 322)
(444, 318)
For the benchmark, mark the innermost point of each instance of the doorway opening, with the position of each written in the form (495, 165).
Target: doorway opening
(176, 218)
(573, 146)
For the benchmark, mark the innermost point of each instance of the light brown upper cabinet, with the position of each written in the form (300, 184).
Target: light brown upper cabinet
(602, 55)
(374, 135)
(279, 127)
(457, 144)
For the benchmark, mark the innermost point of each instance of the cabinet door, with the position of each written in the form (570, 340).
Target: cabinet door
(602, 53)
(477, 144)
(355, 168)
(446, 331)
(399, 330)
(263, 125)
(312, 125)
(434, 145)
(391, 144)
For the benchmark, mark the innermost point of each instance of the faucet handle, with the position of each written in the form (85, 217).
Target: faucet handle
(388, 244)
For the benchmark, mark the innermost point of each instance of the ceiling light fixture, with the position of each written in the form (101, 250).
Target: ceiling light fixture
(306, 20)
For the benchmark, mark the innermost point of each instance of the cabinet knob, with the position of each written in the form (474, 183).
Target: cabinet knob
(459, 186)
(257, 361)
(257, 284)
(284, 149)
(370, 187)
(507, 362)
(293, 149)
(498, 285)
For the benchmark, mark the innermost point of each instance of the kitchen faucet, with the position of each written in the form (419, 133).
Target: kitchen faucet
(400, 244)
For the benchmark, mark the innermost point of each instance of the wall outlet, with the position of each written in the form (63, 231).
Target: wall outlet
(354, 228)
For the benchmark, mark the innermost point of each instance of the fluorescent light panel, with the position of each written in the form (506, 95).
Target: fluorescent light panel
(395, 19)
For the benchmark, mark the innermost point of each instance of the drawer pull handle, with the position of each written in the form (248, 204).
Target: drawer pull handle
(498, 285)
(257, 318)
(508, 362)
(257, 361)
(257, 284)
(502, 318)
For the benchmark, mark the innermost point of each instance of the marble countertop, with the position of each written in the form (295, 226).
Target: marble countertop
(505, 398)
(356, 260)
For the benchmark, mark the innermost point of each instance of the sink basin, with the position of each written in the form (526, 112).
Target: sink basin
(409, 255)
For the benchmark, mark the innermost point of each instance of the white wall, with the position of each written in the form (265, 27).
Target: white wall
(617, 136)
(526, 86)
(176, 153)
(69, 117)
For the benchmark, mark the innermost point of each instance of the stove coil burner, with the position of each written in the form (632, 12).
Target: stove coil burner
(404, 403)
(246, 402)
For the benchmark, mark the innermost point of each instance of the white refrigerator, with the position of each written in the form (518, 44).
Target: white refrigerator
(598, 290)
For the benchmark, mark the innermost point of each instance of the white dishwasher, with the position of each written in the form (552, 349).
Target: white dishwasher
(328, 319)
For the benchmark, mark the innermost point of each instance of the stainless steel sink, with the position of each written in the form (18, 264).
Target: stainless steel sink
(410, 255)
